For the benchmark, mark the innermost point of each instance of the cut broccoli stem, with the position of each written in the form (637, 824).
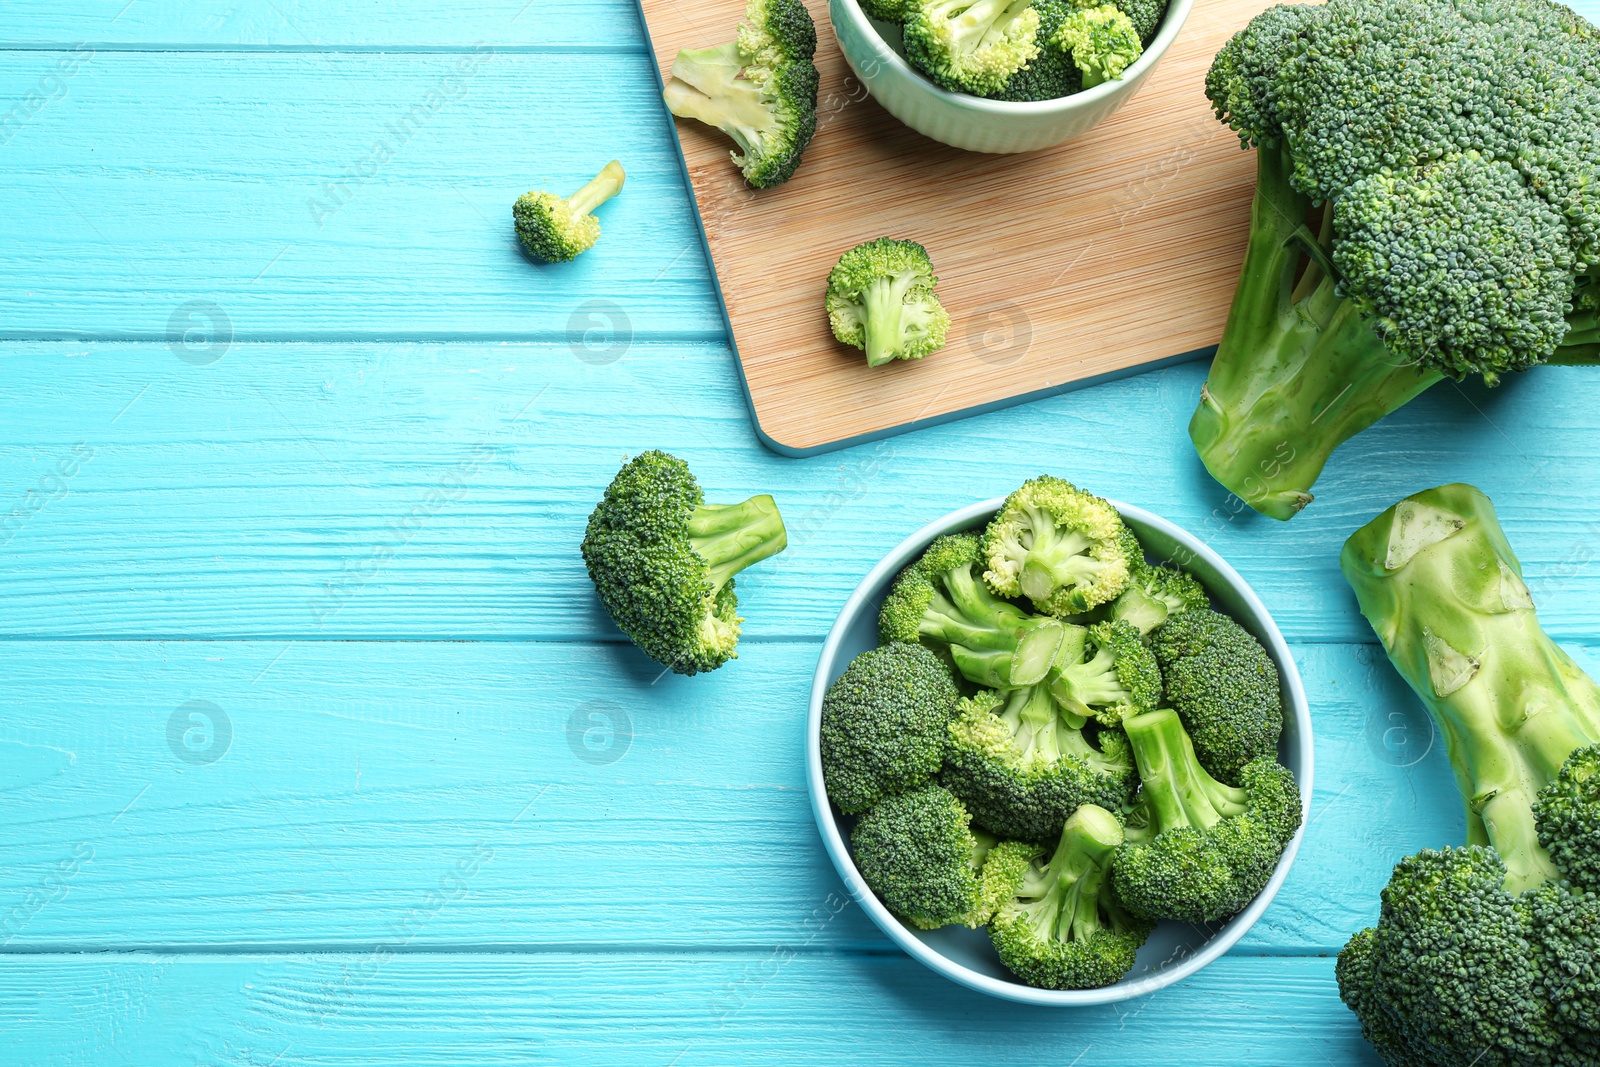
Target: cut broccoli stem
(885, 306)
(731, 537)
(598, 190)
(707, 85)
(1031, 716)
(1064, 895)
(1056, 559)
(1025, 660)
(1093, 683)
(1176, 790)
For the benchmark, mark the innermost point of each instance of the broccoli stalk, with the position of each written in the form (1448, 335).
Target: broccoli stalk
(1176, 791)
(731, 537)
(557, 230)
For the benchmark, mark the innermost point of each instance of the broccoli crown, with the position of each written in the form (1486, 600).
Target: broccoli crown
(917, 852)
(662, 560)
(1567, 814)
(1224, 687)
(1057, 545)
(1063, 927)
(1102, 41)
(1199, 850)
(971, 46)
(880, 298)
(1021, 769)
(883, 725)
(1146, 16)
(1051, 74)
(555, 229)
(1117, 678)
(760, 89)
(1155, 593)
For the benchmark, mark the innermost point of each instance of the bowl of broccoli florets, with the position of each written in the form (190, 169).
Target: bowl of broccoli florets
(1058, 750)
(1004, 75)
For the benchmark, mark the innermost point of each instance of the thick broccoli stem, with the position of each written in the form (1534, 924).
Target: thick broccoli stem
(602, 187)
(731, 537)
(1291, 381)
(884, 301)
(706, 85)
(1024, 658)
(1176, 790)
(1031, 716)
(1064, 896)
(1090, 684)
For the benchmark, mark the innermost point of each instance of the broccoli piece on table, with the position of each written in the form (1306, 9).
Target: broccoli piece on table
(1102, 42)
(662, 560)
(1119, 677)
(1224, 687)
(880, 298)
(1199, 850)
(760, 89)
(920, 856)
(1051, 74)
(1057, 545)
(557, 230)
(1063, 926)
(883, 724)
(1155, 593)
(971, 46)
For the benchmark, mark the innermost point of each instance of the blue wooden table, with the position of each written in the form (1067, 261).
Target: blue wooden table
(317, 748)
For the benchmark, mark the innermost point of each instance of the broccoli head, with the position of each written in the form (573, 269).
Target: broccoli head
(883, 725)
(555, 229)
(1199, 850)
(1101, 40)
(662, 560)
(1062, 926)
(1119, 677)
(1051, 74)
(760, 89)
(1057, 545)
(880, 298)
(1224, 687)
(1146, 16)
(1155, 593)
(918, 853)
(1021, 767)
(971, 46)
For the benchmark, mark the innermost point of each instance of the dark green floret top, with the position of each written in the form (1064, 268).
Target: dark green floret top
(1224, 687)
(918, 853)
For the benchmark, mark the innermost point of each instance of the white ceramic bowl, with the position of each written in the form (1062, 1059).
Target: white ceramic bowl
(873, 51)
(1175, 950)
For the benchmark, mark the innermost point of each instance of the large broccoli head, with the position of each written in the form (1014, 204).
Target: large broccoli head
(1224, 687)
(1057, 545)
(662, 560)
(920, 856)
(880, 299)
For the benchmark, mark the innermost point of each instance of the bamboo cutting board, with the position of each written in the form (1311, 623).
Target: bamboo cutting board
(1099, 257)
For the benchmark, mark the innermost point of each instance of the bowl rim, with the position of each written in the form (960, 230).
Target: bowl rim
(838, 849)
(1172, 21)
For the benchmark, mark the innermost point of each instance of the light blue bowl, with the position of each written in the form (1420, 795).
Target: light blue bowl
(1175, 950)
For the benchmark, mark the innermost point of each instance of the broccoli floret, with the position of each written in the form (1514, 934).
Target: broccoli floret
(1063, 927)
(1453, 146)
(1051, 74)
(1146, 16)
(883, 725)
(940, 600)
(920, 856)
(1119, 677)
(971, 46)
(1199, 850)
(1058, 546)
(760, 89)
(885, 10)
(1155, 593)
(880, 298)
(556, 230)
(662, 560)
(1022, 768)
(1224, 687)
(1102, 42)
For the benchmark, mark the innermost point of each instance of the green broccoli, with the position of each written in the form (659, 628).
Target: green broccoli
(1102, 42)
(1021, 767)
(1223, 686)
(880, 298)
(1057, 545)
(1146, 16)
(1118, 678)
(760, 89)
(1063, 927)
(1483, 954)
(971, 46)
(918, 853)
(885, 10)
(883, 725)
(1198, 850)
(557, 230)
(1051, 74)
(1155, 593)
(1453, 145)
(941, 601)
(662, 560)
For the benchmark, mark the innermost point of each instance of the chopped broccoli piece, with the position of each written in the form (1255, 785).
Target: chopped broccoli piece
(1146, 16)
(894, 11)
(1117, 679)
(920, 856)
(557, 230)
(880, 298)
(1224, 687)
(1102, 42)
(1063, 927)
(1057, 545)
(971, 46)
(760, 89)
(1156, 593)
(662, 560)
(1051, 74)
(883, 725)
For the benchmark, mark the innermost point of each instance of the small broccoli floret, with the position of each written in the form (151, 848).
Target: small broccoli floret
(1051, 74)
(880, 298)
(1146, 16)
(556, 230)
(1155, 593)
(662, 560)
(1058, 546)
(760, 89)
(1568, 815)
(1063, 927)
(1199, 850)
(1118, 678)
(971, 46)
(920, 856)
(883, 725)
(1224, 687)
(1102, 42)
(1022, 768)
(885, 10)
